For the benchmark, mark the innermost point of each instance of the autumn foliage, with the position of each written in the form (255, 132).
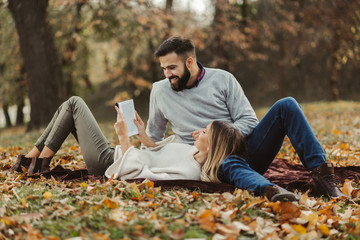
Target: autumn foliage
(37, 208)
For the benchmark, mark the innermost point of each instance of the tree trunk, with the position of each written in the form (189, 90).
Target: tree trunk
(20, 114)
(40, 58)
(168, 14)
(68, 58)
(7, 115)
(219, 28)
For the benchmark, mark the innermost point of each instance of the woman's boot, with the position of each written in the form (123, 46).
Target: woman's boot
(39, 165)
(21, 161)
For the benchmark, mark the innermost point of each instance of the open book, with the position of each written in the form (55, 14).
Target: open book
(128, 111)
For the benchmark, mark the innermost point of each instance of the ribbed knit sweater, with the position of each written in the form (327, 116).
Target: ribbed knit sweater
(218, 96)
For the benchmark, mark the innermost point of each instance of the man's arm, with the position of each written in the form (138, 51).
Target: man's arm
(156, 124)
(240, 109)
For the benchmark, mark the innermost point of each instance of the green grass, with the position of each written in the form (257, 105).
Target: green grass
(36, 208)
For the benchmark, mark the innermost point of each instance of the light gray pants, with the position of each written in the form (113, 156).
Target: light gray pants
(74, 116)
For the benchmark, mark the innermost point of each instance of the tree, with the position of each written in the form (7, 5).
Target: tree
(40, 59)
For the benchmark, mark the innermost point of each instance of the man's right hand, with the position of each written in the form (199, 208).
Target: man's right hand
(195, 134)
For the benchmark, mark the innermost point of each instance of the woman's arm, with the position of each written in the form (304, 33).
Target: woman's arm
(142, 136)
(121, 130)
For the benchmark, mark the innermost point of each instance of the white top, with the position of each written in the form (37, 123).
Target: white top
(218, 96)
(170, 160)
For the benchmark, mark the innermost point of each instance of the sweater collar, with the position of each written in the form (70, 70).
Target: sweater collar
(201, 76)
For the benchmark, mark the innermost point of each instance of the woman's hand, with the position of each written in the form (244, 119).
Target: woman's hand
(142, 136)
(140, 125)
(120, 126)
(121, 130)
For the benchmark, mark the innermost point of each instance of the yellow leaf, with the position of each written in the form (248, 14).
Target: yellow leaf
(324, 229)
(48, 195)
(337, 132)
(347, 188)
(83, 185)
(108, 203)
(23, 202)
(299, 228)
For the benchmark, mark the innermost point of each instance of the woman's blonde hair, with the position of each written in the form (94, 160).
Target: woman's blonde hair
(224, 140)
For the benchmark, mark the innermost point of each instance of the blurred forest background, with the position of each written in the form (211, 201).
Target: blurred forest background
(103, 50)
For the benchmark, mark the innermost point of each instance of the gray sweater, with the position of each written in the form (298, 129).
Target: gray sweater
(218, 96)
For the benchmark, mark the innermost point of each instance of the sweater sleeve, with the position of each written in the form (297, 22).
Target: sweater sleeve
(157, 122)
(240, 109)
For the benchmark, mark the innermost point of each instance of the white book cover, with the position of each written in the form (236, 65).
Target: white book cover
(127, 109)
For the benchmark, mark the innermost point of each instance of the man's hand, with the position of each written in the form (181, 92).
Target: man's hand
(195, 134)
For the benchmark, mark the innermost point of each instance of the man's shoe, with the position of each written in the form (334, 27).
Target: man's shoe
(21, 161)
(275, 193)
(39, 165)
(325, 180)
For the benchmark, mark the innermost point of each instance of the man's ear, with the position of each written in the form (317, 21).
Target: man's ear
(189, 62)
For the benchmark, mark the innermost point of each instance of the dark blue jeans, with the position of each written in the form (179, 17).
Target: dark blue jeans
(284, 118)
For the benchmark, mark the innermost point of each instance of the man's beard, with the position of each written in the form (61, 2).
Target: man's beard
(181, 83)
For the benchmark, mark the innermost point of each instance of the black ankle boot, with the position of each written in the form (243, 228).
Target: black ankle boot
(21, 161)
(39, 165)
(325, 180)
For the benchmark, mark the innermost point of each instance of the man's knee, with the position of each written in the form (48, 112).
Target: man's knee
(288, 103)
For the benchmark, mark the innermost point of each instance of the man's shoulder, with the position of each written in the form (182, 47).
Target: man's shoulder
(217, 71)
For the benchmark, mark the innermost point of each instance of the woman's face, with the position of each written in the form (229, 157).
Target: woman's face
(202, 142)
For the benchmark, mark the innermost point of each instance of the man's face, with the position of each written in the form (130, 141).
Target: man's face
(175, 70)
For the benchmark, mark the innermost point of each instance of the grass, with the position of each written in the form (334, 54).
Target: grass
(53, 209)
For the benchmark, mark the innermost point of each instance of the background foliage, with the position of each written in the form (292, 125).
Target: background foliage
(304, 48)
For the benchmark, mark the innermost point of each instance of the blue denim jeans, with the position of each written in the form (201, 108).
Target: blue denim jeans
(284, 118)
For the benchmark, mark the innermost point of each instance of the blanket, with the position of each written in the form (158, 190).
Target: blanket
(281, 172)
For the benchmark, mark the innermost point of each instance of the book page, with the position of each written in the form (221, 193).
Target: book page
(128, 111)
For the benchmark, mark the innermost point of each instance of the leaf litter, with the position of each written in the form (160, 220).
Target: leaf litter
(52, 209)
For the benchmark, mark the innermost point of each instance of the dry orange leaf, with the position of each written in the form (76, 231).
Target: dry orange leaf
(207, 221)
(108, 203)
(287, 210)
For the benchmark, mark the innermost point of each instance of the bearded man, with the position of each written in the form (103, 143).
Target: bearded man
(192, 96)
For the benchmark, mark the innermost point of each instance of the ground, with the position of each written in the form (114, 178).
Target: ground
(37, 208)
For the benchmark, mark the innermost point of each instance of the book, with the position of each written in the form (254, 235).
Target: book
(127, 109)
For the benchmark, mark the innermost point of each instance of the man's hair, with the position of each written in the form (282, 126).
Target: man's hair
(180, 45)
(224, 140)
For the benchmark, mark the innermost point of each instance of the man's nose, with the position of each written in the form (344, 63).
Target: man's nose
(167, 73)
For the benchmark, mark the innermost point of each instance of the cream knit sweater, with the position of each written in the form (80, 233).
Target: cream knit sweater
(170, 160)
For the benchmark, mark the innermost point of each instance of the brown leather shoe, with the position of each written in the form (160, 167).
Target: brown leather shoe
(21, 161)
(39, 165)
(276, 193)
(325, 180)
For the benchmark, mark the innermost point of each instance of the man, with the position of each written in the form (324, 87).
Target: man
(193, 96)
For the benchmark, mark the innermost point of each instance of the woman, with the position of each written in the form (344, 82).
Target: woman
(155, 162)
